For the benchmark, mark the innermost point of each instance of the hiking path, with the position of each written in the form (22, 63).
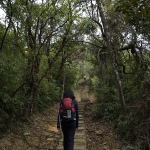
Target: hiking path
(40, 133)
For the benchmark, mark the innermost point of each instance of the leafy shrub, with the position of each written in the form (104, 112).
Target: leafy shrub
(48, 93)
(11, 111)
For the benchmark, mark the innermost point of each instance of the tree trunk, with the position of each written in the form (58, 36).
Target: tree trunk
(100, 65)
(33, 67)
(121, 96)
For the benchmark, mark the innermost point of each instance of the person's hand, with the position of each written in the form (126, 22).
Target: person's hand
(59, 129)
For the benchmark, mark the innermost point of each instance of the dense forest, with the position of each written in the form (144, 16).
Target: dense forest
(47, 46)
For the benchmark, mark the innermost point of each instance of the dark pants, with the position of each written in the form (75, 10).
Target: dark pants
(68, 129)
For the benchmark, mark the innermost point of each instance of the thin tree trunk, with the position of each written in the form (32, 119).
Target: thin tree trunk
(33, 67)
(121, 95)
(100, 64)
(64, 79)
(64, 75)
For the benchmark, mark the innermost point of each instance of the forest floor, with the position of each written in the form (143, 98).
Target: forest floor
(40, 133)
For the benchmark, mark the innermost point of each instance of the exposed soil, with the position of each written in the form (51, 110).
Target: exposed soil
(100, 134)
(41, 132)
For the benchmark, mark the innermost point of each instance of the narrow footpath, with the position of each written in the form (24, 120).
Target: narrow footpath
(92, 134)
(82, 96)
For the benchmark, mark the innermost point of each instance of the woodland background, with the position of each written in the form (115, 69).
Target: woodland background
(47, 46)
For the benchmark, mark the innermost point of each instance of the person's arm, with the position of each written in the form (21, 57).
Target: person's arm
(58, 119)
(77, 115)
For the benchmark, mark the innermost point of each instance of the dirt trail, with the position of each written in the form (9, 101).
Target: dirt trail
(41, 132)
(84, 91)
(99, 134)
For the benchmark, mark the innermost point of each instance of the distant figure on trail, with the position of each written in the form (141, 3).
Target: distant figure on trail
(68, 119)
(84, 78)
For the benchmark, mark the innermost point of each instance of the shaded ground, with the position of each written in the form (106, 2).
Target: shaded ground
(41, 133)
(100, 134)
(38, 134)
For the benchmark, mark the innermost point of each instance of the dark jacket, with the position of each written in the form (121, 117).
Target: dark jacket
(59, 119)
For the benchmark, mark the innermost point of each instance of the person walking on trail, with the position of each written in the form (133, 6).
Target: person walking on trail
(84, 78)
(68, 119)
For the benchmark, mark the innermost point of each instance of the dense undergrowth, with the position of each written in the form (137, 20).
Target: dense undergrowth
(13, 109)
(134, 125)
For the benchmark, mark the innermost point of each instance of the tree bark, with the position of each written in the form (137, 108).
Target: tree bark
(112, 57)
(100, 65)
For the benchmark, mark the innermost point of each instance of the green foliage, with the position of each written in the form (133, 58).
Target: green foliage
(48, 93)
(31, 66)
(136, 13)
(135, 88)
(107, 100)
(90, 27)
(11, 109)
(12, 66)
(70, 77)
(95, 81)
(134, 125)
(134, 147)
(125, 126)
(108, 107)
(45, 41)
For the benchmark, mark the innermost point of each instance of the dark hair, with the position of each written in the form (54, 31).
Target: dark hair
(68, 94)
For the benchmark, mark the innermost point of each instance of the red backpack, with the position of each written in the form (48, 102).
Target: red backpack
(67, 110)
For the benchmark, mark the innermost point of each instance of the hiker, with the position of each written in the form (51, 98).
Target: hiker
(68, 124)
(84, 78)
